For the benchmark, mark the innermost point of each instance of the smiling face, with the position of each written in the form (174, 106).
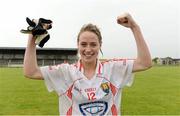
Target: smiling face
(88, 46)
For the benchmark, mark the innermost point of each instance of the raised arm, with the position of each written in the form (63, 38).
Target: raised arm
(143, 60)
(31, 69)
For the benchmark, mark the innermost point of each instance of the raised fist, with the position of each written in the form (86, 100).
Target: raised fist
(126, 20)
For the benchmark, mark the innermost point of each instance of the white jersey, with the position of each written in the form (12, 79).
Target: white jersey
(100, 95)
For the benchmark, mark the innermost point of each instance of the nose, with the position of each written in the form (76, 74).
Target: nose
(88, 48)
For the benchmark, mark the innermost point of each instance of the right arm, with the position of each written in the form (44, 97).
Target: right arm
(31, 69)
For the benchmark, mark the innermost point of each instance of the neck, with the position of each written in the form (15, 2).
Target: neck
(89, 69)
(89, 66)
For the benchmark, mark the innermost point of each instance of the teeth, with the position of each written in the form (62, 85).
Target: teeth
(88, 55)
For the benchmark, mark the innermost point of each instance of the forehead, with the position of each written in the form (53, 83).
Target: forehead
(88, 36)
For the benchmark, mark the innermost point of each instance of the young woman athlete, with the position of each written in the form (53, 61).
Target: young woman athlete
(89, 86)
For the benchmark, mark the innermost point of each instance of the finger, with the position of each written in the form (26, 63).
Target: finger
(35, 21)
(26, 31)
(122, 20)
(31, 23)
(42, 20)
(47, 26)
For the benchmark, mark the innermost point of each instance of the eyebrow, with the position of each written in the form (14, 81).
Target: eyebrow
(87, 42)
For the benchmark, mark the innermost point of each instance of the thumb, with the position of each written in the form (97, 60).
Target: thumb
(31, 23)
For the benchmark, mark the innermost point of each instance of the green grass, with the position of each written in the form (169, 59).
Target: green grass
(154, 92)
(19, 95)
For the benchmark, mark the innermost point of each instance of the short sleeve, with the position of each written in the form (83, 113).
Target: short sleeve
(121, 73)
(57, 78)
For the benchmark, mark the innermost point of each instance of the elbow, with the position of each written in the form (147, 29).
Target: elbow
(27, 74)
(148, 65)
(142, 65)
(33, 74)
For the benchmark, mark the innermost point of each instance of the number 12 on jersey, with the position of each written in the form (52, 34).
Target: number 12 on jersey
(91, 96)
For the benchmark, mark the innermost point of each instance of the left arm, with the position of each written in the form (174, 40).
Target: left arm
(143, 60)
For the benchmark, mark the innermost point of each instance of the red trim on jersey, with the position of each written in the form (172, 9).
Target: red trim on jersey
(114, 110)
(113, 89)
(69, 112)
(113, 107)
(99, 67)
(69, 93)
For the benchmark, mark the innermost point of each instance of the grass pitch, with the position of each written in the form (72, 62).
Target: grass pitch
(154, 92)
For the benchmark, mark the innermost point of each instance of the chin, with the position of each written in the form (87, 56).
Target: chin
(89, 60)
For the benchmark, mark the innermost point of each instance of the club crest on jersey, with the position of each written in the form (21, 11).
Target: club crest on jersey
(105, 87)
(94, 108)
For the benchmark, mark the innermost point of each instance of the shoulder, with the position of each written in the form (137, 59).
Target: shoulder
(123, 61)
(58, 67)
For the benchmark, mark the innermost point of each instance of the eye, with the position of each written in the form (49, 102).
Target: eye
(83, 44)
(93, 44)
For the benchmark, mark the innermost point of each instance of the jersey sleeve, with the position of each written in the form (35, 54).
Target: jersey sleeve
(120, 72)
(56, 78)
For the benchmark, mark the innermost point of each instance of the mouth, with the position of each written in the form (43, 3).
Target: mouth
(88, 55)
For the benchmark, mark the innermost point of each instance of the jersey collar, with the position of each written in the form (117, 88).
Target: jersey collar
(99, 67)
